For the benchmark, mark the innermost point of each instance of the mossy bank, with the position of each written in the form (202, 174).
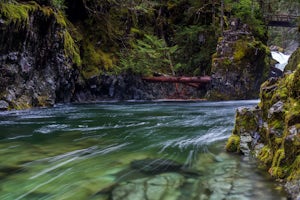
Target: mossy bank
(271, 131)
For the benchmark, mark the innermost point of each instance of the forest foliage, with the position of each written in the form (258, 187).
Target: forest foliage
(151, 36)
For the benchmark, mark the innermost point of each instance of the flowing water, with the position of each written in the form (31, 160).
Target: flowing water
(281, 58)
(154, 150)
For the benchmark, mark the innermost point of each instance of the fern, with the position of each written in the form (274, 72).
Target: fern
(148, 55)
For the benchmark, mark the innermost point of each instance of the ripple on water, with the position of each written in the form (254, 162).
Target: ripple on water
(51, 128)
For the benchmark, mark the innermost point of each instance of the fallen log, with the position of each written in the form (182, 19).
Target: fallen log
(183, 79)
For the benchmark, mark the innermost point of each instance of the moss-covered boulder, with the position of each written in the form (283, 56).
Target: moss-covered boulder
(37, 55)
(272, 129)
(239, 65)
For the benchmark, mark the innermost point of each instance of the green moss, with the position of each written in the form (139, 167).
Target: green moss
(233, 143)
(293, 112)
(293, 61)
(276, 169)
(61, 19)
(240, 50)
(15, 12)
(277, 124)
(91, 61)
(295, 170)
(265, 155)
(19, 13)
(71, 49)
(277, 172)
(278, 156)
(227, 62)
(215, 95)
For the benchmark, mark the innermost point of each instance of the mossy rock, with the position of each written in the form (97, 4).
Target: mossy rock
(17, 13)
(266, 155)
(293, 62)
(294, 170)
(233, 143)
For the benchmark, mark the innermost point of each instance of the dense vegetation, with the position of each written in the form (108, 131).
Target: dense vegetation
(147, 36)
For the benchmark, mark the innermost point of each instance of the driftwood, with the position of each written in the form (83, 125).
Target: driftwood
(182, 79)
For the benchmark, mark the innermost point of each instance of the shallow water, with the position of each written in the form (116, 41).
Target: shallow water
(86, 151)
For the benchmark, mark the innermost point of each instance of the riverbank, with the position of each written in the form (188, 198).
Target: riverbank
(270, 131)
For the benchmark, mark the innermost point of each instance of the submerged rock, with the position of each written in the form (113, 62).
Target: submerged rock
(156, 166)
(153, 188)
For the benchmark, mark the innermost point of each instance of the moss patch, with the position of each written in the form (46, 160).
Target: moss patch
(71, 49)
(293, 61)
(15, 12)
(233, 143)
(240, 50)
(265, 155)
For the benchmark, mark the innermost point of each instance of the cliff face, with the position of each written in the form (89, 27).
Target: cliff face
(131, 87)
(239, 66)
(34, 63)
(271, 131)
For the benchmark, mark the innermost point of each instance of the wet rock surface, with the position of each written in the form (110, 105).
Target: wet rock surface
(221, 178)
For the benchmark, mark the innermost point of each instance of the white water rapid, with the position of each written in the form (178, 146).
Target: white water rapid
(281, 58)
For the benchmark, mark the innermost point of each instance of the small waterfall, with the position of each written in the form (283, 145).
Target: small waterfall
(281, 58)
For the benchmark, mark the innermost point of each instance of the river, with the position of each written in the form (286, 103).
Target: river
(129, 150)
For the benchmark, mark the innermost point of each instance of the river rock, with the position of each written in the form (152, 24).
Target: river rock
(156, 166)
(163, 186)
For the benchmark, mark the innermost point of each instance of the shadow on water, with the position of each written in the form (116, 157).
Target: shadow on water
(127, 150)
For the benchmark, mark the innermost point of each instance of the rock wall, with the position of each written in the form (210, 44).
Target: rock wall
(240, 65)
(35, 70)
(40, 64)
(271, 131)
(132, 87)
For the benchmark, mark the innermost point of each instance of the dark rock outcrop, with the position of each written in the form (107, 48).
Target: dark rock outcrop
(35, 70)
(239, 66)
(131, 87)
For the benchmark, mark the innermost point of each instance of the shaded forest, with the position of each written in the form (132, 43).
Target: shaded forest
(146, 37)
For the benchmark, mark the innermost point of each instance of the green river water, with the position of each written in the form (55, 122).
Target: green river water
(91, 151)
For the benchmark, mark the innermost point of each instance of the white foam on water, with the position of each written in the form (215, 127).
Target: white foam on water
(281, 58)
